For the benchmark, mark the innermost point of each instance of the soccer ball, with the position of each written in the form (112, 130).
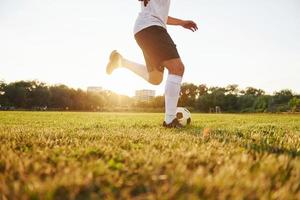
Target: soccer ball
(184, 116)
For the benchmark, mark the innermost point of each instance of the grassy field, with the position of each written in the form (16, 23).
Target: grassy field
(52, 155)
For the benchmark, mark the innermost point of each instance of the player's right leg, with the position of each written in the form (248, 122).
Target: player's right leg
(172, 91)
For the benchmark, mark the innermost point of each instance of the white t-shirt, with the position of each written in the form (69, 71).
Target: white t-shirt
(155, 13)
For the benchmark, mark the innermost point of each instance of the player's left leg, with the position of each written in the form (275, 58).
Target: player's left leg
(117, 60)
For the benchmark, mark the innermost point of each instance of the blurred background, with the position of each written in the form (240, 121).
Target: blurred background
(245, 42)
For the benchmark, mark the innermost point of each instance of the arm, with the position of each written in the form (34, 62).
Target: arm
(188, 24)
(174, 21)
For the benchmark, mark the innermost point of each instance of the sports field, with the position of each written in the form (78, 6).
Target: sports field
(52, 155)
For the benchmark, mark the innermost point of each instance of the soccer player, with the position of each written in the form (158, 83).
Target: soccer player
(159, 50)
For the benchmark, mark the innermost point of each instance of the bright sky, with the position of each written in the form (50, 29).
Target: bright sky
(246, 42)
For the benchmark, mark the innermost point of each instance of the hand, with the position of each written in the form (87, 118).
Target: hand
(145, 2)
(188, 24)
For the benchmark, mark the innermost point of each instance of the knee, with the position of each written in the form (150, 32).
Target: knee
(180, 70)
(155, 77)
(176, 67)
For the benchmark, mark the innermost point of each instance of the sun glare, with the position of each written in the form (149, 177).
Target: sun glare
(124, 82)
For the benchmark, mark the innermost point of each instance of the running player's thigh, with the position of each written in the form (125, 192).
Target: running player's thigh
(155, 77)
(175, 66)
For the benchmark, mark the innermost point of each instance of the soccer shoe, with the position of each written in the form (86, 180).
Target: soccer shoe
(114, 62)
(174, 124)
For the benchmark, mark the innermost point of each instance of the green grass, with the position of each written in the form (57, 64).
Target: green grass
(52, 155)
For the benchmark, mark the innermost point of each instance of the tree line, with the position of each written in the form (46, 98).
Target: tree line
(233, 99)
(35, 95)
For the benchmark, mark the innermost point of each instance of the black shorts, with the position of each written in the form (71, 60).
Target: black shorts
(157, 47)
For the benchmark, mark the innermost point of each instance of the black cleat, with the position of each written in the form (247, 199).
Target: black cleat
(174, 124)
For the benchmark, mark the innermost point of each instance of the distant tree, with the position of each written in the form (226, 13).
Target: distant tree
(111, 99)
(204, 103)
(283, 96)
(253, 91)
(214, 96)
(232, 89)
(203, 100)
(294, 104)
(99, 100)
(18, 93)
(280, 100)
(188, 95)
(39, 95)
(60, 97)
(158, 102)
(245, 103)
(202, 90)
(230, 103)
(261, 103)
(79, 100)
(3, 99)
(31, 94)
(218, 96)
(2, 86)
(124, 101)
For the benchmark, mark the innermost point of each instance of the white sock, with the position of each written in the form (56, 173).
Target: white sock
(138, 69)
(172, 91)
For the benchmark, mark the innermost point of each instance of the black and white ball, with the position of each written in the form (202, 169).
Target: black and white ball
(184, 116)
